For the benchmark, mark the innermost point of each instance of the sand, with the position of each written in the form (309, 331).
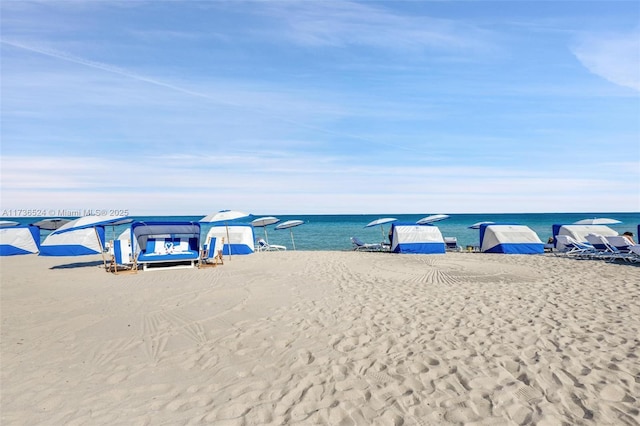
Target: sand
(335, 338)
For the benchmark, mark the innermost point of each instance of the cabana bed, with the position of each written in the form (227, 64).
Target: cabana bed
(165, 244)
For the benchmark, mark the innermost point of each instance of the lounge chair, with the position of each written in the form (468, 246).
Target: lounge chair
(121, 257)
(265, 246)
(359, 245)
(619, 242)
(620, 246)
(604, 249)
(569, 246)
(211, 253)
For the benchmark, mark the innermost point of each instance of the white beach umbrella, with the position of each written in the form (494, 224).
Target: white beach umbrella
(433, 218)
(224, 216)
(289, 225)
(263, 222)
(597, 221)
(477, 225)
(382, 221)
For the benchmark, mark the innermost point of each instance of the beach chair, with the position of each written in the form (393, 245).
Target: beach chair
(620, 246)
(211, 253)
(621, 243)
(569, 246)
(604, 250)
(122, 258)
(359, 245)
(265, 246)
(634, 250)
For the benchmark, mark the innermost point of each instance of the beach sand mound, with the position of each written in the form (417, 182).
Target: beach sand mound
(332, 338)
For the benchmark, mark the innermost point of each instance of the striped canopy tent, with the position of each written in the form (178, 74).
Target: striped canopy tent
(18, 240)
(80, 237)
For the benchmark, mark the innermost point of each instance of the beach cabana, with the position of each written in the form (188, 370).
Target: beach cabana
(238, 238)
(79, 237)
(80, 242)
(579, 232)
(416, 239)
(17, 240)
(509, 239)
(165, 243)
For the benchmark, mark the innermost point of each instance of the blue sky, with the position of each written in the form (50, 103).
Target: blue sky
(278, 107)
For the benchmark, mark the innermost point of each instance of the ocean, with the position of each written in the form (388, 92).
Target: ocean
(333, 232)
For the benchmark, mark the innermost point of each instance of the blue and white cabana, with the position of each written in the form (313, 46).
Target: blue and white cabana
(80, 237)
(416, 239)
(17, 240)
(238, 238)
(165, 242)
(509, 239)
(579, 232)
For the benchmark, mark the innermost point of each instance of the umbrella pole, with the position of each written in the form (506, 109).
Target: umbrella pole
(266, 238)
(228, 240)
(292, 242)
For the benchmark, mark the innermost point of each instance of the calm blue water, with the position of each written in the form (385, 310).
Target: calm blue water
(332, 232)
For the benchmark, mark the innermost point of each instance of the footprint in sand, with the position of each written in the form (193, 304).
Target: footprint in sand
(612, 393)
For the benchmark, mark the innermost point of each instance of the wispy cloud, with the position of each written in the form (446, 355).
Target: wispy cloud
(614, 57)
(344, 23)
(281, 185)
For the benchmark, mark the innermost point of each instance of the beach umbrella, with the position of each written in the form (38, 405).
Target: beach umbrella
(289, 225)
(51, 224)
(264, 222)
(382, 221)
(478, 224)
(432, 218)
(225, 216)
(5, 223)
(597, 221)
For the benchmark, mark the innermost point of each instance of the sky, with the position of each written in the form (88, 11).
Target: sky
(320, 107)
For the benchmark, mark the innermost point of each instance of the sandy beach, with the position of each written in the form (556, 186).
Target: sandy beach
(333, 338)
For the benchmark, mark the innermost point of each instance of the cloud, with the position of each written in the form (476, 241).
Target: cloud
(184, 184)
(343, 23)
(614, 57)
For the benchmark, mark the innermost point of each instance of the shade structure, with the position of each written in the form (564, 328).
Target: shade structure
(597, 221)
(78, 242)
(433, 218)
(289, 225)
(224, 216)
(382, 221)
(17, 240)
(264, 222)
(80, 237)
(578, 233)
(411, 238)
(478, 224)
(51, 224)
(509, 239)
(239, 238)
